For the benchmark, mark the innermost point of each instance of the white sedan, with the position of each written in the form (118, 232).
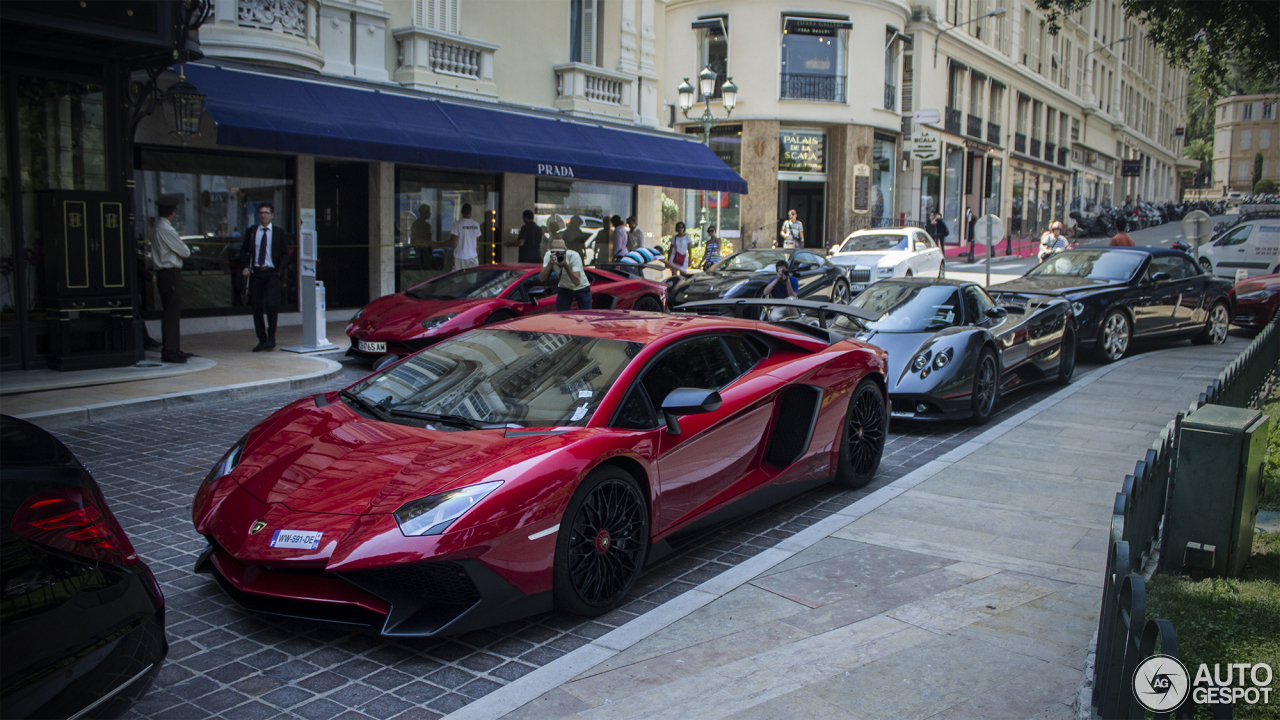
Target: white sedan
(880, 253)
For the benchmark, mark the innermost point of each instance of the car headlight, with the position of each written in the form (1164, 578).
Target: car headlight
(1258, 295)
(735, 288)
(432, 323)
(941, 359)
(357, 315)
(228, 462)
(921, 361)
(1077, 308)
(433, 514)
(884, 271)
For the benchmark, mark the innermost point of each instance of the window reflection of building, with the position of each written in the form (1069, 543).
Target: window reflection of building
(558, 202)
(435, 199)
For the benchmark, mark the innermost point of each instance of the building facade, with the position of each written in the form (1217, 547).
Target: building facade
(1245, 126)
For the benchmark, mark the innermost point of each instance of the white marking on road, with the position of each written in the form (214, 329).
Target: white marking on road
(1005, 266)
(545, 533)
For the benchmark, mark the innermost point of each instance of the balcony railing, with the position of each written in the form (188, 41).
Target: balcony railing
(426, 54)
(890, 96)
(952, 124)
(975, 127)
(993, 133)
(829, 88)
(587, 88)
(1050, 151)
(1019, 142)
(1035, 147)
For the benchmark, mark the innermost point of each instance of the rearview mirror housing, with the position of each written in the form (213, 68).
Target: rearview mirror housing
(688, 401)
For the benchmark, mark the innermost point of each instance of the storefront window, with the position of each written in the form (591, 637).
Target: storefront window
(220, 197)
(930, 188)
(1046, 201)
(578, 212)
(882, 174)
(951, 205)
(428, 203)
(723, 209)
(993, 186)
(1019, 197)
(813, 56)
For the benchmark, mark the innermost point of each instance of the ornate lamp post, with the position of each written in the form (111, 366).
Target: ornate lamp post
(728, 98)
(186, 106)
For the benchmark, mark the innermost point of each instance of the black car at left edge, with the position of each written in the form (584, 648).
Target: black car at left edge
(82, 617)
(1120, 294)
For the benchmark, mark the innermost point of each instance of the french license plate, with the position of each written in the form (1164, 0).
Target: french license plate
(900, 414)
(373, 346)
(297, 539)
(858, 287)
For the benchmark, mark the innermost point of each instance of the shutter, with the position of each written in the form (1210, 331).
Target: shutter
(420, 12)
(441, 15)
(589, 32)
(908, 84)
(453, 23)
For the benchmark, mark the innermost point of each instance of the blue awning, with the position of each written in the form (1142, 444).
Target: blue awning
(269, 112)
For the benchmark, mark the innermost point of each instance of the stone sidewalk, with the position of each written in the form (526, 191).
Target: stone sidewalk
(967, 589)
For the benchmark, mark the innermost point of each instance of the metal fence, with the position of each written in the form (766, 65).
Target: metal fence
(1244, 382)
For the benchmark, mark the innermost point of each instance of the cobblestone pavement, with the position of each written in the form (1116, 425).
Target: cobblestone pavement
(224, 662)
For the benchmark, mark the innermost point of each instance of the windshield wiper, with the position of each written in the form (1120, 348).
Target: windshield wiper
(372, 407)
(438, 417)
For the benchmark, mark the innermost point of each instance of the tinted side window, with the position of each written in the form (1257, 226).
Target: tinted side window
(1189, 269)
(1237, 236)
(1170, 265)
(744, 353)
(699, 363)
(976, 304)
(803, 258)
(635, 413)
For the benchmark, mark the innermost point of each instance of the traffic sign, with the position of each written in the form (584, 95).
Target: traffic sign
(989, 229)
(1197, 226)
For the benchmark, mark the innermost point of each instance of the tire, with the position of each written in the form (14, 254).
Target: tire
(648, 303)
(498, 316)
(840, 293)
(986, 387)
(1067, 357)
(1215, 326)
(942, 270)
(602, 543)
(866, 426)
(384, 361)
(1206, 265)
(1114, 336)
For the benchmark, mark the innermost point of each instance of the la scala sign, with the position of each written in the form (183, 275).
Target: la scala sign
(926, 145)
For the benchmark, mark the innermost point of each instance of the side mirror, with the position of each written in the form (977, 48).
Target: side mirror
(921, 247)
(996, 313)
(688, 401)
(1161, 277)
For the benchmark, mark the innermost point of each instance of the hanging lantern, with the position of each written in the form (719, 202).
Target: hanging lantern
(186, 108)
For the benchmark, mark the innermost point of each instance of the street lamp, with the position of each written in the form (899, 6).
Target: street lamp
(728, 98)
(998, 12)
(186, 107)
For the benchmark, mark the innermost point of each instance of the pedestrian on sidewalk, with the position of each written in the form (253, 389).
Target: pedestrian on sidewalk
(970, 223)
(635, 236)
(167, 254)
(681, 245)
(529, 241)
(620, 238)
(792, 232)
(573, 284)
(1121, 238)
(462, 240)
(264, 247)
(937, 229)
(711, 250)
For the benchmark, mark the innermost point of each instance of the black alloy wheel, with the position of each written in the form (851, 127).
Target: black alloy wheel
(840, 293)
(1215, 326)
(648, 303)
(986, 386)
(498, 316)
(866, 426)
(601, 547)
(1114, 336)
(1067, 357)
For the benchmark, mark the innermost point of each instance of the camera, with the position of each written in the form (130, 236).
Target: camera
(559, 256)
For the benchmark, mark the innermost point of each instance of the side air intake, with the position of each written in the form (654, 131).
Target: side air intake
(797, 413)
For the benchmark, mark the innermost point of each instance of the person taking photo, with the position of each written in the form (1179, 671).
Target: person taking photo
(573, 284)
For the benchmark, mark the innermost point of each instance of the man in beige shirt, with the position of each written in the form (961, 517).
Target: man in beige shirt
(167, 254)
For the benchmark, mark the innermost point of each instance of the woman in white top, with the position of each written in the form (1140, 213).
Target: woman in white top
(680, 246)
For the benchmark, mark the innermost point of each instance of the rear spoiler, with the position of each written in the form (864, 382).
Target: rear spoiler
(817, 308)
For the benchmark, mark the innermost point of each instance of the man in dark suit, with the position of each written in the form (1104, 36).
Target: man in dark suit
(263, 254)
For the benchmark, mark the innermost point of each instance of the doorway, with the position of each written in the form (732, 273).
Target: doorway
(342, 233)
(808, 200)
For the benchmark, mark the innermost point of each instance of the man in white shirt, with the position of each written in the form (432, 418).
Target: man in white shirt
(167, 253)
(462, 239)
(263, 254)
(635, 236)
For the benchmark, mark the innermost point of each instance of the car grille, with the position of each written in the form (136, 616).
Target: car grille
(860, 275)
(442, 583)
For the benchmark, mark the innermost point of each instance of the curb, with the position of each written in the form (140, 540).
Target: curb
(512, 696)
(63, 417)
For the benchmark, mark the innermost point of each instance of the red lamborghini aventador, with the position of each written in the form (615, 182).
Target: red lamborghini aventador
(445, 306)
(535, 465)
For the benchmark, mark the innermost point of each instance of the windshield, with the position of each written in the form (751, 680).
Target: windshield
(473, 283)
(753, 260)
(501, 377)
(907, 307)
(882, 241)
(1096, 264)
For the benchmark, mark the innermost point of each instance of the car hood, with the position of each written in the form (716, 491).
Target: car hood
(1264, 282)
(331, 460)
(710, 285)
(1057, 286)
(870, 258)
(399, 314)
(903, 348)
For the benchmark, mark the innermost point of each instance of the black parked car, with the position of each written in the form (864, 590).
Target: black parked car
(1119, 294)
(82, 618)
(744, 275)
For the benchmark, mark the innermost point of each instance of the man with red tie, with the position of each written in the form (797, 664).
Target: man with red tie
(263, 253)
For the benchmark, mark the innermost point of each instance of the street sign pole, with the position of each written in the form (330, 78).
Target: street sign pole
(989, 229)
(1196, 227)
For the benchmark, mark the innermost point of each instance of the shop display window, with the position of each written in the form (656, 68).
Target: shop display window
(577, 212)
(428, 203)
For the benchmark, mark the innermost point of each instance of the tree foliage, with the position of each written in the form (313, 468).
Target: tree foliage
(1265, 186)
(1208, 36)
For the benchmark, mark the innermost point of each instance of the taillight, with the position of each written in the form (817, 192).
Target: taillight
(76, 521)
